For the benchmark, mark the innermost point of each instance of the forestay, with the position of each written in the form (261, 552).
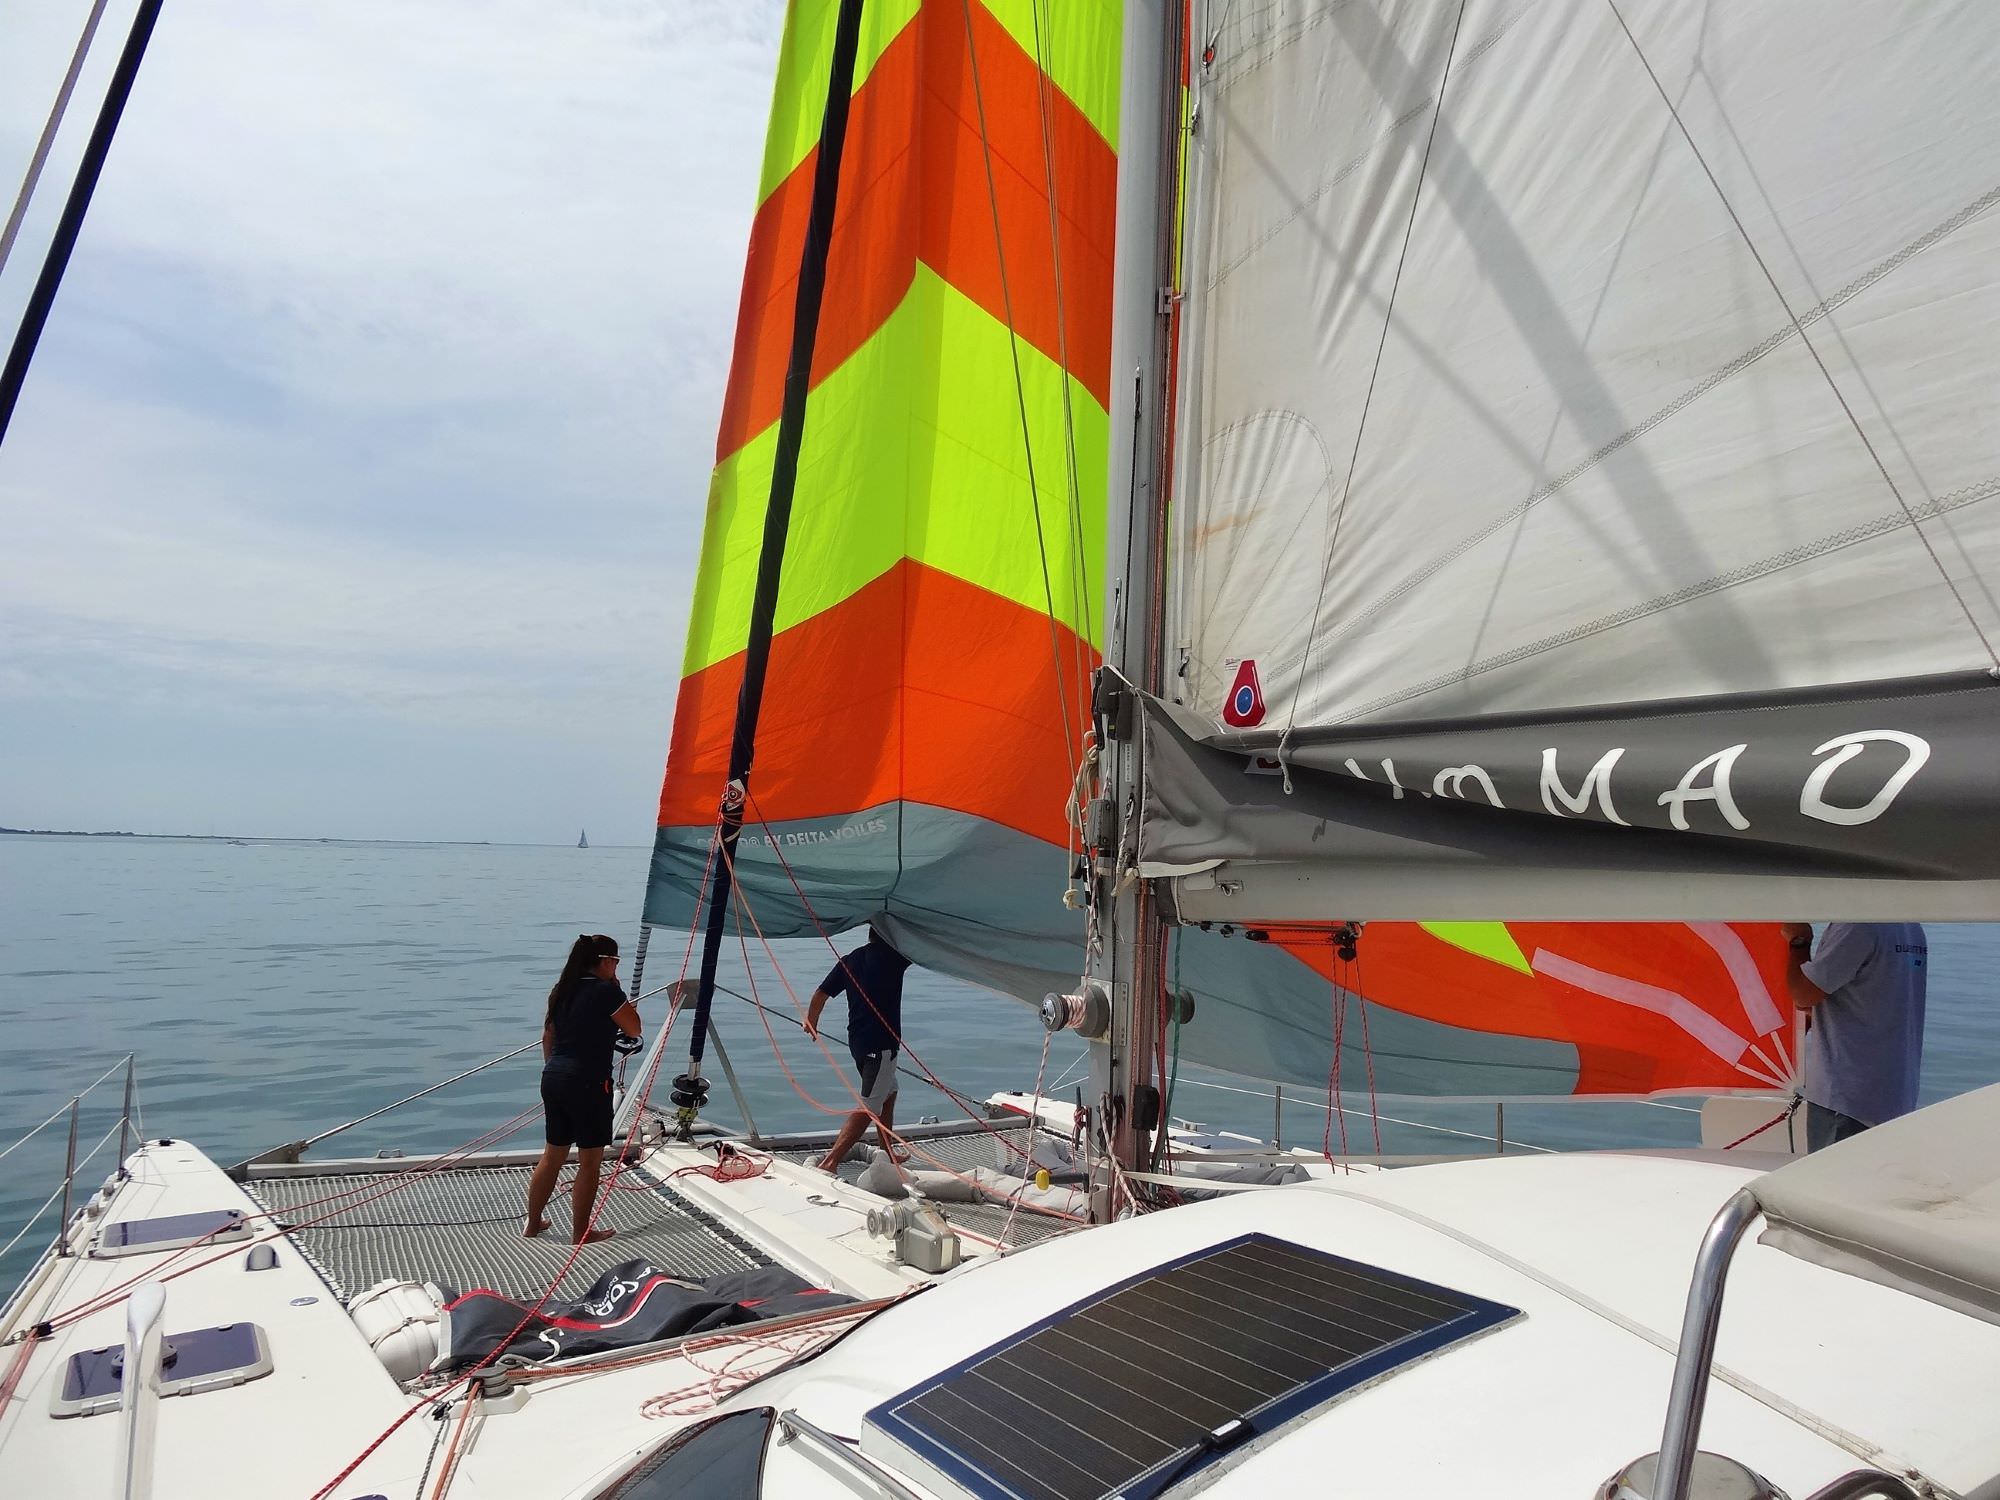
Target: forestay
(1589, 499)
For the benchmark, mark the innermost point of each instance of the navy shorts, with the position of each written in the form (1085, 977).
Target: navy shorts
(578, 1108)
(1825, 1126)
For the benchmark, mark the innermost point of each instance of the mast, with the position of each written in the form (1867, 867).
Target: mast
(690, 1090)
(1125, 963)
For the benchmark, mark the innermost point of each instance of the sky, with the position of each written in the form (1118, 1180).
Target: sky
(357, 486)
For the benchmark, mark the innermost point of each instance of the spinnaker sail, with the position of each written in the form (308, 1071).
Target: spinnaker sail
(934, 630)
(1591, 502)
(1495, 1010)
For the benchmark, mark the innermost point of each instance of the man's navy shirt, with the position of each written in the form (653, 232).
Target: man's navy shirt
(872, 979)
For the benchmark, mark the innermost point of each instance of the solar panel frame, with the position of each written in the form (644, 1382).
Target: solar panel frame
(1133, 1428)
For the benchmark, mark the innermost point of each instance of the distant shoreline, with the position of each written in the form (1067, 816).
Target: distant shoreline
(235, 838)
(267, 838)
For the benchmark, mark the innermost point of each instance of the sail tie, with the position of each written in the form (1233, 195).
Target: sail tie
(1790, 1109)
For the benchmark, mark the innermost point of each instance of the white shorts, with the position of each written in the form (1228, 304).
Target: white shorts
(878, 1078)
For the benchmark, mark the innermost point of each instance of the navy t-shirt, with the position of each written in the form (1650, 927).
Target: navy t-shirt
(583, 1026)
(872, 979)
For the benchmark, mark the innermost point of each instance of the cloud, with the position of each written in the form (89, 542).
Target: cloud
(385, 380)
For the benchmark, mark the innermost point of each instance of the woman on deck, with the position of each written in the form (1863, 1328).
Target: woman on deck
(587, 1010)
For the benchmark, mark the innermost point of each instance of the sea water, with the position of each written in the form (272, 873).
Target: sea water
(273, 989)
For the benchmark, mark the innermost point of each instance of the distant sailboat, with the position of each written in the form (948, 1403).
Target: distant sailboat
(582, 839)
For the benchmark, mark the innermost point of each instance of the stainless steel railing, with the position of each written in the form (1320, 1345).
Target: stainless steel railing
(64, 1193)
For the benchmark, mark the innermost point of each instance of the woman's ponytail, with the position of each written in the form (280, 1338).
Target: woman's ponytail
(589, 949)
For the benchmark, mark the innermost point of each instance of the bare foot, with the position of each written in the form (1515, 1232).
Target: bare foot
(899, 1154)
(540, 1226)
(595, 1235)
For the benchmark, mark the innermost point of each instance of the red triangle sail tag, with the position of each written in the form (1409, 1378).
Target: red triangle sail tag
(1244, 707)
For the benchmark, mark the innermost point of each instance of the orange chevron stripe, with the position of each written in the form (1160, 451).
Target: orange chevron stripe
(963, 716)
(914, 188)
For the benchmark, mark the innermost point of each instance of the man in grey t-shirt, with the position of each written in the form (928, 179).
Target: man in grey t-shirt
(1863, 994)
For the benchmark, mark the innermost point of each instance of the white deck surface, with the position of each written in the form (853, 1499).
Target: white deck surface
(326, 1385)
(1547, 1406)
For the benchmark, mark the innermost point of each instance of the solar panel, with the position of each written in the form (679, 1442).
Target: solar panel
(1130, 1391)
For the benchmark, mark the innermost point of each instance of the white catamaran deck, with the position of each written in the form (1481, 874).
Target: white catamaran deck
(1818, 1374)
(340, 1228)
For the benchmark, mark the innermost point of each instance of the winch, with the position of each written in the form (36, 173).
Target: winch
(923, 1237)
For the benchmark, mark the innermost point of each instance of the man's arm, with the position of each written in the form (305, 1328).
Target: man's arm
(1804, 993)
(813, 1008)
(548, 1042)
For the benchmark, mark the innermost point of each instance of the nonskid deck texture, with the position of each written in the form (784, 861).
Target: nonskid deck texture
(961, 1153)
(461, 1229)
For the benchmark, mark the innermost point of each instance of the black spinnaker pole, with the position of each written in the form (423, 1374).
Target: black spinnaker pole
(690, 1090)
(57, 261)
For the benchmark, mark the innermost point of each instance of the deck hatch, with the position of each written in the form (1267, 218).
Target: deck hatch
(170, 1232)
(1236, 1339)
(200, 1359)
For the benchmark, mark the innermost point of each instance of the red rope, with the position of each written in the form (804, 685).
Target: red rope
(19, 1367)
(1789, 1110)
(1368, 1054)
(1336, 1117)
(732, 1164)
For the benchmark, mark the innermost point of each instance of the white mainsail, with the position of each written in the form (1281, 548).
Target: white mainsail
(1611, 442)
